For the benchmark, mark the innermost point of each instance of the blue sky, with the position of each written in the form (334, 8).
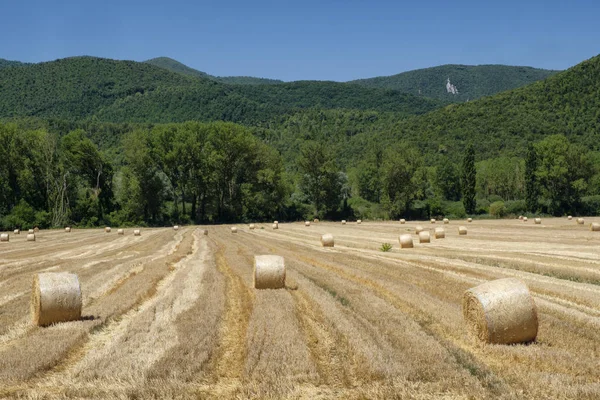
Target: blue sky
(293, 40)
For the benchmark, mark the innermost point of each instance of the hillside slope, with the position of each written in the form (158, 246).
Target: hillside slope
(8, 63)
(470, 82)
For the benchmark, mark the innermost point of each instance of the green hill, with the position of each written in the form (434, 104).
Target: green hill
(8, 63)
(175, 66)
(472, 82)
(126, 91)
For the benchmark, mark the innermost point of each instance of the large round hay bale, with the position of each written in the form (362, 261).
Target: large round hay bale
(176, 228)
(501, 312)
(446, 221)
(424, 237)
(68, 229)
(56, 297)
(17, 232)
(402, 221)
(439, 233)
(343, 222)
(595, 227)
(275, 226)
(252, 227)
(538, 221)
(580, 221)
(269, 272)
(120, 231)
(418, 229)
(462, 230)
(31, 237)
(306, 223)
(432, 220)
(107, 229)
(469, 220)
(233, 229)
(137, 232)
(406, 241)
(327, 240)
(570, 217)
(4, 237)
(359, 221)
(30, 231)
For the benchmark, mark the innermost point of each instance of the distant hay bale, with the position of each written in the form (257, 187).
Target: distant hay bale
(501, 312)
(56, 297)
(120, 231)
(439, 233)
(520, 218)
(462, 230)
(343, 222)
(406, 241)
(595, 227)
(327, 240)
(306, 223)
(31, 237)
(524, 219)
(432, 220)
(17, 232)
(316, 220)
(580, 221)
(30, 231)
(538, 221)
(418, 229)
(176, 228)
(402, 221)
(233, 229)
(205, 232)
(4, 237)
(469, 220)
(359, 221)
(269, 272)
(275, 226)
(68, 229)
(424, 237)
(107, 229)
(252, 227)
(136, 232)
(276, 222)
(36, 229)
(446, 221)
(570, 217)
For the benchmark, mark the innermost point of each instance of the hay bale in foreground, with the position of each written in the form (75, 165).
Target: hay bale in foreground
(343, 222)
(406, 241)
(595, 227)
(31, 237)
(439, 233)
(252, 226)
(4, 237)
(275, 226)
(462, 230)
(233, 229)
(269, 272)
(306, 223)
(501, 312)
(137, 232)
(107, 229)
(327, 240)
(402, 221)
(580, 221)
(17, 232)
(56, 297)
(424, 237)
(120, 231)
(418, 229)
(446, 221)
(538, 221)
(176, 228)
(469, 220)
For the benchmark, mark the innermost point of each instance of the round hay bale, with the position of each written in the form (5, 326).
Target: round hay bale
(538, 221)
(17, 232)
(570, 217)
(205, 232)
(233, 229)
(56, 297)
(120, 231)
(343, 222)
(406, 241)
(36, 229)
(520, 218)
(418, 229)
(446, 221)
(306, 223)
(30, 231)
(316, 220)
(4, 237)
(424, 237)
(595, 227)
(402, 221)
(327, 240)
(176, 228)
(68, 229)
(252, 227)
(580, 221)
(276, 222)
(31, 237)
(524, 219)
(107, 229)
(137, 232)
(462, 230)
(269, 272)
(432, 220)
(275, 226)
(501, 312)
(469, 220)
(439, 233)
(359, 221)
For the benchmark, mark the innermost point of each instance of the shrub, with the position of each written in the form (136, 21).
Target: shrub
(497, 209)
(385, 247)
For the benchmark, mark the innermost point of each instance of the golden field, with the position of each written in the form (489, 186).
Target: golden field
(173, 314)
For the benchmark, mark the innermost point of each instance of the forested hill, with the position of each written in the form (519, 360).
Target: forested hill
(175, 66)
(8, 63)
(127, 91)
(469, 82)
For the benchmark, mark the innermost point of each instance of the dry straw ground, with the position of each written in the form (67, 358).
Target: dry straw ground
(173, 314)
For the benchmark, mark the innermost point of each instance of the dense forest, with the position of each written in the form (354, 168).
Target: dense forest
(90, 142)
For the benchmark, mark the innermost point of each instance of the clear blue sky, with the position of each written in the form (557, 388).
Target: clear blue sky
(292, 40)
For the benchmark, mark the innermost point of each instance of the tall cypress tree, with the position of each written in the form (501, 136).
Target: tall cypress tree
(531, 183)
(468, 180)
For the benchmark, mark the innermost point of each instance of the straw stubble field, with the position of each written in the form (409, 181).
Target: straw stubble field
(174, 314)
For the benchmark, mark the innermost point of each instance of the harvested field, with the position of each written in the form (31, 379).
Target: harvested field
(174, 314)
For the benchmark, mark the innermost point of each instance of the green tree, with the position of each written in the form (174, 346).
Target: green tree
(403, 176)
(468, 180)
(532, 192)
